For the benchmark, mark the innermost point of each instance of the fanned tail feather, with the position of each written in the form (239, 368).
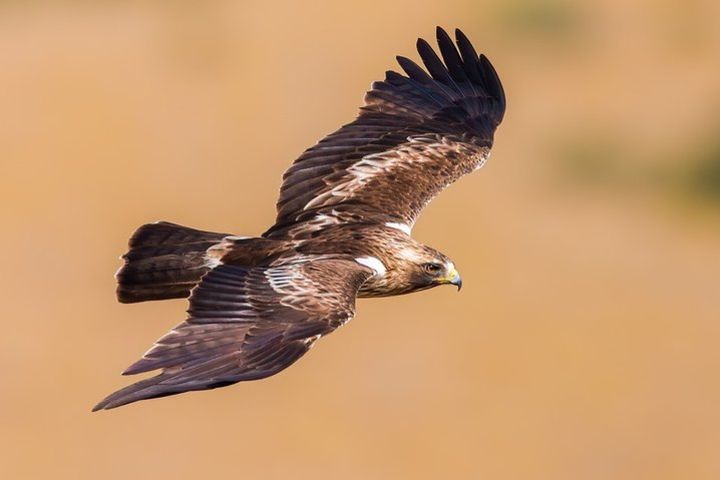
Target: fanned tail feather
(164, 261)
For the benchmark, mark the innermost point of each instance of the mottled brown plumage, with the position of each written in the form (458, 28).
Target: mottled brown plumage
(345, 212)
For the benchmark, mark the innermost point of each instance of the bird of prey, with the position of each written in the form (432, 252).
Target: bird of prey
(345, 213)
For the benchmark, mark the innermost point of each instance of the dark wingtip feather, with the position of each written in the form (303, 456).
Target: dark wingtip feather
(143, 390)
(413, 70)
(432, 62)
(466, 44)
(493, 80)
(450, 55)
(469, 57)
(117, 399)
(140, 366)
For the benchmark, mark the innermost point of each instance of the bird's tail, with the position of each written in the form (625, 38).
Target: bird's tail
(164, 261)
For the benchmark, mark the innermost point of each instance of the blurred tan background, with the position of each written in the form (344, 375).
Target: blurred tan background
(583, 346)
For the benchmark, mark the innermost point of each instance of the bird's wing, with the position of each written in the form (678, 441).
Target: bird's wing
(416, 134)
(246, 324)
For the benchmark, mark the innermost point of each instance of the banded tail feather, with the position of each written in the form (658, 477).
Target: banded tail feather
(164, 261)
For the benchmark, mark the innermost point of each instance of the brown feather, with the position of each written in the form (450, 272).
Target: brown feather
(420, 130)
(247, 323)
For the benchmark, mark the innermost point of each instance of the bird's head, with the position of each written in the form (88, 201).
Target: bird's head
(430, 268)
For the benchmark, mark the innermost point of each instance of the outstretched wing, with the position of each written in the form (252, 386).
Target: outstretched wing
(247, 324)
(416, 134)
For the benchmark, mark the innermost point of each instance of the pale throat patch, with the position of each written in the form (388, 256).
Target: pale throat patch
(373, 263)
(399, 226)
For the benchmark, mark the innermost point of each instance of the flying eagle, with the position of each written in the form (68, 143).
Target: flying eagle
(346, 210)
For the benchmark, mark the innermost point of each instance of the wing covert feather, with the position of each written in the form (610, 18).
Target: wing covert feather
(426, 128)
(247, 324)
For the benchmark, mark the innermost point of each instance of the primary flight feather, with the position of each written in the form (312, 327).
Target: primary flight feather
(345, 213)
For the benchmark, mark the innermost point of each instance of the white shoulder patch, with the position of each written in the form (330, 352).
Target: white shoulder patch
(399, 226)
(212, 262)
(373, 263)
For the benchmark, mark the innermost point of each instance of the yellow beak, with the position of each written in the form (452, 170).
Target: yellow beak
(453, 278)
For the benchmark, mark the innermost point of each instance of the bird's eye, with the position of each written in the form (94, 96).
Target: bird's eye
(432, 268)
